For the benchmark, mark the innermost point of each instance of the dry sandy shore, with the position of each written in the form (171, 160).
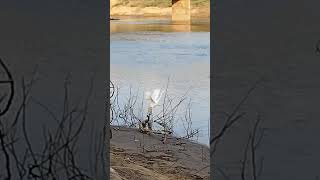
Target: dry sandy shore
(140, 156)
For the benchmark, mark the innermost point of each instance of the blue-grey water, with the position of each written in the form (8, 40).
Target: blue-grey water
(146, 53)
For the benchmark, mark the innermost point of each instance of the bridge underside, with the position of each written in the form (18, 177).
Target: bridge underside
(181, 11)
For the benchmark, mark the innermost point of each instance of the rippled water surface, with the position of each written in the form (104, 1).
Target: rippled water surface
(145, 53)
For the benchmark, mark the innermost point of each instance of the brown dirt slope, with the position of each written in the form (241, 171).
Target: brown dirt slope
(140, 156)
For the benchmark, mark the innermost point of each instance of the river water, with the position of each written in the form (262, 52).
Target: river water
(148, 53)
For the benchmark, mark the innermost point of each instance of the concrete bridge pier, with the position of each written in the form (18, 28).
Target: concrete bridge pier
(181, 11)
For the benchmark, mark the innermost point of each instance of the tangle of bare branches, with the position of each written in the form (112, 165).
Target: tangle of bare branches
(59, 158)
(252, 144)
(11, 84)
(129, 112)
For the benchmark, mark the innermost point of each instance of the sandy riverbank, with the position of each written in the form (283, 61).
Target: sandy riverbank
(140, 156)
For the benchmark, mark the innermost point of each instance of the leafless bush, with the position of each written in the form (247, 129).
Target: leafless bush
(253, 142)
(58, 158)
(130, 112)
(167, 115)
(187, 123)
(232, 118)
(124, 113)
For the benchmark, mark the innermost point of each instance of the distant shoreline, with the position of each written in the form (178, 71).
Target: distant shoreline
(197, 12)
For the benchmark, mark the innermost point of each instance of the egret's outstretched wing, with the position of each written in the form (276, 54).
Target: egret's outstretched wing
(156, 96)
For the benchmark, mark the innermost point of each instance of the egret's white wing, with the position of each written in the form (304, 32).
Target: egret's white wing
(155, 97)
